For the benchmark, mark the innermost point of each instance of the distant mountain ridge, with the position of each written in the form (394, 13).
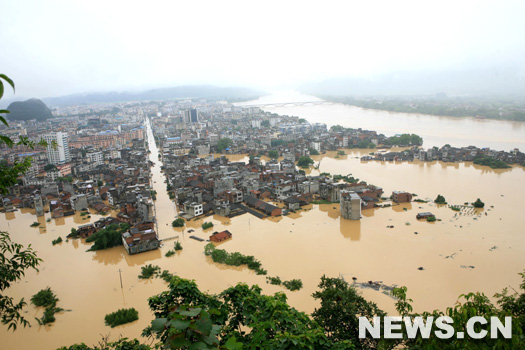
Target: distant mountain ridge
(29, 109)
(232, 94)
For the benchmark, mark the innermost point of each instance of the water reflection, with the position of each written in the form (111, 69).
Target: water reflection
(350, 229)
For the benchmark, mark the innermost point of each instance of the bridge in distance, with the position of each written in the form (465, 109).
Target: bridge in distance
(289, 104)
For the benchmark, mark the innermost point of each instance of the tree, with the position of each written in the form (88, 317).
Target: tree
(265, 123)
(9, 173)
(273, 154)
(440, 200)
(223, 144)
(15, 260)
(479, 204)
(341, 307)
(50, 167)
(178, 222)
(313, 151)
(305, 162)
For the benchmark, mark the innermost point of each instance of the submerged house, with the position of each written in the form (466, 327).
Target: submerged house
(141, 238)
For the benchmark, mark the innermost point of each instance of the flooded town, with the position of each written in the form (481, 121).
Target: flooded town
(128, 181)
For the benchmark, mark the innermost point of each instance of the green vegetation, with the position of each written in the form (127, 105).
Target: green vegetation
(345, 178)
(305, 162)
(29, 109)
(420, 200)
(404, 140)
(431, 219)
(491, 162)
(479, 204)
(207, 225)
(169, 253)
(121, 316)
(325, 174)
(275, 143)
(455, 208)
(65, 179)
(50, 167)
(440, 200)
(223, 144)
(492, 108)
(321, 201)
(341, 153)
(149, 271)
(100, 183)
(295, 284)
(35, 224)
(177, 246)
(44, 298)
(274, 280)
(84, 213)
(265, 123)
(166, 275)
(187, 318)
(49, 315)
(180, 222)
(233, 259)
(109, 237)
(313, 152)
(273, 154)
(56, 241)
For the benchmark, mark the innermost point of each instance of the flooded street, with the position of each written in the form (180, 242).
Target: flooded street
(460, 253)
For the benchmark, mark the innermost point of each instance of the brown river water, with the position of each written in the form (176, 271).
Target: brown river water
(305, 245)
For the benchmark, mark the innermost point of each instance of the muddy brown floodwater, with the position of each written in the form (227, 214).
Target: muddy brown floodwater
(460, 253)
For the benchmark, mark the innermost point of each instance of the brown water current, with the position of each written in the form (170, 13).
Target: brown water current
(313, 242)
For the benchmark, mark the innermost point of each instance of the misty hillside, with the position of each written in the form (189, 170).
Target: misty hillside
(30, 109)
(232, 94)
(493, 82)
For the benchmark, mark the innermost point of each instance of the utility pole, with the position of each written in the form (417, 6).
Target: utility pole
(120, 273)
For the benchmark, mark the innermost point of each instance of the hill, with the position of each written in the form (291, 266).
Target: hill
(30, 109)
(231, 94)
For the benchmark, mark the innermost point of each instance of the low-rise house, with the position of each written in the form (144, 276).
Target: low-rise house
(424, 215)
(141, 238)
(220, 236)
(401, 196)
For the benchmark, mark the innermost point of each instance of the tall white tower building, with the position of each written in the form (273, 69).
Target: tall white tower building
(60, 153)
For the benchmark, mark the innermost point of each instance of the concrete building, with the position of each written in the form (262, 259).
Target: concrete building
(350, 205)
(57, 148)
(401, 196)
(191, 116)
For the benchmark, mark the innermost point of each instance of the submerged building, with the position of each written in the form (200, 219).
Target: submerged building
(350, 205)
(141, 238)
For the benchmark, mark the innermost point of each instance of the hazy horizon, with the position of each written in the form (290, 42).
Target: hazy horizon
(57, 48)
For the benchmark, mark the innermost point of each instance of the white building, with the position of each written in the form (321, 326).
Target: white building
(57, 148)
(96, 157)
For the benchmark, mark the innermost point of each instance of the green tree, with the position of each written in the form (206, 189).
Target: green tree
(479, 204)
(339, 312)
(265, 123)
(305, 162)
(440, 200)
(273, 154)
(223, 144)
(9, 173)
(180, 222)
(15, 260)
(313, 152)
(50, 167)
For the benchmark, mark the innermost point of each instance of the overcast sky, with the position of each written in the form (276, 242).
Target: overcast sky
(57, 47)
